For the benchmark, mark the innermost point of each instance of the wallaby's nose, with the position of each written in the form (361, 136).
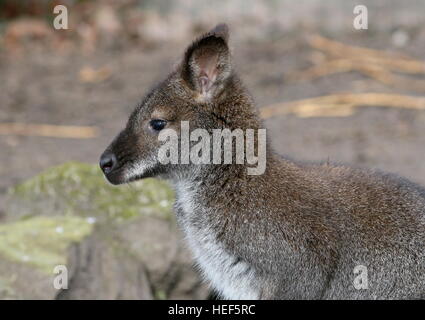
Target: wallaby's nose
(108, 161)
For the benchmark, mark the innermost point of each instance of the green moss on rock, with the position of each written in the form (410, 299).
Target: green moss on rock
(81, 190)
(49, 211)
(42, 241)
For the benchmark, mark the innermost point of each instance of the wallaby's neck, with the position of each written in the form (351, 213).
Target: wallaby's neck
(238, 110)
(219, 183)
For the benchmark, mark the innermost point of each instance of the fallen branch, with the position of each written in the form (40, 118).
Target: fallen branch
(378, 65)
(343, 104)
(377, 72)
(392, 61)
(336, 48)
(337, 66)
(47, 130)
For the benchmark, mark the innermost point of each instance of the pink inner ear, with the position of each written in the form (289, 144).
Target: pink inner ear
(207, 62)
(204, 83)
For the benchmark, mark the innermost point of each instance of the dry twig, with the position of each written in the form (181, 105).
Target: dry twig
(47, 130)
(379, 65)
(343, 104)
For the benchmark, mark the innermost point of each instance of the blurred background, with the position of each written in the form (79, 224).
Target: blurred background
(327, 92)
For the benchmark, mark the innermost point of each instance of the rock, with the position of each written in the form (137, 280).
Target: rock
(400, 38)
(81, 190)
(41, 241)
(106, 20)
(107, 25)
(31, 248)
(116, 242)
(99, 270)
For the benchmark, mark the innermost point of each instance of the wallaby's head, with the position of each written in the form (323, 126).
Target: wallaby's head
(203, 90)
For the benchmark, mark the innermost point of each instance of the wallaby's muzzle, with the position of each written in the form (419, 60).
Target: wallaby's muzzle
(128, 158)
(108, 163)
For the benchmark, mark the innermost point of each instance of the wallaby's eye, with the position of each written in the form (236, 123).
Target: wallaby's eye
(158, 124)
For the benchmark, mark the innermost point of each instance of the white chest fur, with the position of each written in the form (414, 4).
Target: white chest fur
(231, 277)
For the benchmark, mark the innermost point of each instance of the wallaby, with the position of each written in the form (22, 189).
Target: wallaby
(297, 231)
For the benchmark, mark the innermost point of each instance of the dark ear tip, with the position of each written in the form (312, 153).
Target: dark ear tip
(221, 31)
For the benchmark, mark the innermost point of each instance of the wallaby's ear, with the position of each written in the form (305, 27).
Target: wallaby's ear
(206, 63)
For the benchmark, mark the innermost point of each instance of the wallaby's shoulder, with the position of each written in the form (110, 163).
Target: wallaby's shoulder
(326, 193)
(376, 202)
(340, 174)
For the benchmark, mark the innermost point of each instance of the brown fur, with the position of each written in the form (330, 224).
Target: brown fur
(297, 231)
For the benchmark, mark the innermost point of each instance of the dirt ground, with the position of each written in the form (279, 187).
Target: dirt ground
(41, 87)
